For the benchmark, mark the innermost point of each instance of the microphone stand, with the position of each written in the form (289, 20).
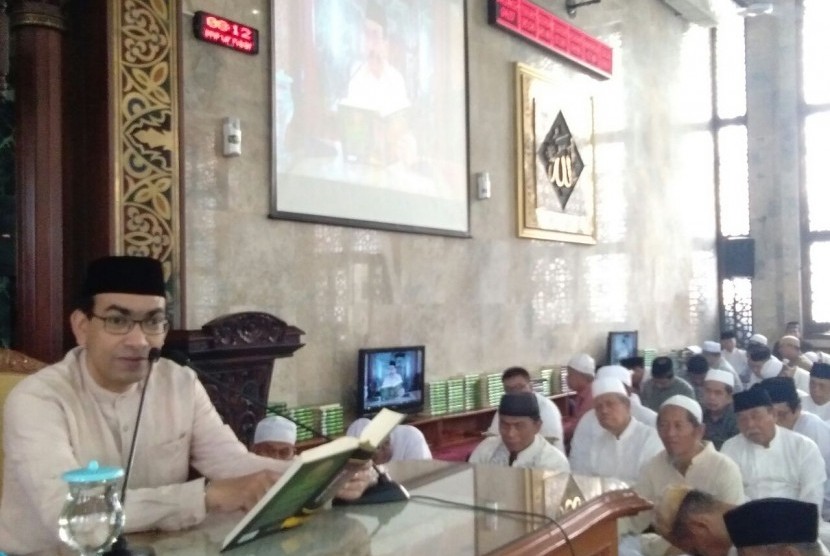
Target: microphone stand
(385, 490)
(121, 547)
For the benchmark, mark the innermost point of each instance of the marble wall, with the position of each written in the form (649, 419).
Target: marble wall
(493, 300)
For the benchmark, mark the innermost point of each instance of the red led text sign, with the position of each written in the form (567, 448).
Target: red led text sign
(224, 32)
(539, 26)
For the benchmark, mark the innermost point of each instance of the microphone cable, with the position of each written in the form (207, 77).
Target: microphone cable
(511, 513)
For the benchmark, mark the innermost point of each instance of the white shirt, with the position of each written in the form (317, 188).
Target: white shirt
(822, 411)
(59, 419)
(709, 471)
(385, 93)
(739, 361)
(818, 431)
(792, 466)
(551, 422)
(609, 456)
(801, 378)
(588, 428)
(539, 455)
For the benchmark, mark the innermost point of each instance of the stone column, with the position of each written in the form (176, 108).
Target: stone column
(37, 34)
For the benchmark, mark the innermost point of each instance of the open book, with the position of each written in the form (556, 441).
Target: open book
(313, 479)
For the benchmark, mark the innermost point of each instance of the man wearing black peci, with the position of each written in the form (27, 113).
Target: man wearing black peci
(84, 408)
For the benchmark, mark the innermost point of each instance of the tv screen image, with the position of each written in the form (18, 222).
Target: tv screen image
(621, 345)
(391, 377)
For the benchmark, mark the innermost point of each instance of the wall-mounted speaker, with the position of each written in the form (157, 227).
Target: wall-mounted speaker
(736, 257)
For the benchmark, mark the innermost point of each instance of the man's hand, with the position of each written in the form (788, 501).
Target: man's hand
(358, 482)
(240, 493)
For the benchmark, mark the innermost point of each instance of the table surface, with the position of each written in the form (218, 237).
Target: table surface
(416, 527)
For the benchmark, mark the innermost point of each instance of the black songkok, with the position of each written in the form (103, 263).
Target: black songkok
(748, 399)
(820, 370)
(631, 363)
(662, 367)
(520, 404)
(697, 364)
(118, 274)
(771, 521)
(781, 389)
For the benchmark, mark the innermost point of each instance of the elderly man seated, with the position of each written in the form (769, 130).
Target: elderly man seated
(687, 459)
(519, 443)
(775, 527)
(622, 445)
(274, 438)
(663, 384)
(774, 461)
(818, 401)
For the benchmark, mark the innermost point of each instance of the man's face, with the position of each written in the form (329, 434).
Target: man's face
(716, 397)
(663, 382)
(820, 390)
(118, 361)
(576, 380)
(518, 433)
(784, 416)
(793, 329)
(516, 384)
(696, 379)
(789, 351)
(274, 450)
(757, 424)
(728, 344)
(756, 366)
(613, 412)
(712, 358)
(376, 46)
(680, 438)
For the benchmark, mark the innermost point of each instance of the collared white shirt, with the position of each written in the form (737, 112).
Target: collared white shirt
(551, 422)
(539, 455)
(621, 458)
(791, 467)
(59, 419)
(822, 411)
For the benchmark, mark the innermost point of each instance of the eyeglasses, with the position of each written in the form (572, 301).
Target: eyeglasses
(120, 324)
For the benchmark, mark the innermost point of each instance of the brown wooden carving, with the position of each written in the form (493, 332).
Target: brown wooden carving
(234, 356)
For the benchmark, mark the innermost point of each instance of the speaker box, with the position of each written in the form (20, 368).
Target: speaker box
(736, 257)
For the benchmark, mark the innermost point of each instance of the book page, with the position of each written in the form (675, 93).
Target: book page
(379, 428)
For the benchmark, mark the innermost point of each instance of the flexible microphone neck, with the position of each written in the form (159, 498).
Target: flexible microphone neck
(392, 491)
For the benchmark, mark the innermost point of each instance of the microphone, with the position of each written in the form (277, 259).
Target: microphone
(120, 547)
(385, 490)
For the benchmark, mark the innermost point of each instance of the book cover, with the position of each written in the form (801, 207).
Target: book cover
(313, 478)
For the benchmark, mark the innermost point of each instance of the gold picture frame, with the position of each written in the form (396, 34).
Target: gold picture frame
(555, 160)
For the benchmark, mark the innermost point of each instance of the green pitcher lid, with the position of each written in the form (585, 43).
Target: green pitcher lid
(93, 473)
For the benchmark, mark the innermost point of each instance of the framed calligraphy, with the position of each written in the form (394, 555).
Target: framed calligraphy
(555, 160)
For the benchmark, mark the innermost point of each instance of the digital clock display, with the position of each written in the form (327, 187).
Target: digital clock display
(224, 32)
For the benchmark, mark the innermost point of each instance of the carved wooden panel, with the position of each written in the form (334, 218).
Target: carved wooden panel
(234, 356)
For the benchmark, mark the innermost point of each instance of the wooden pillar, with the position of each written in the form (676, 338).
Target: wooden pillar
(37, 34)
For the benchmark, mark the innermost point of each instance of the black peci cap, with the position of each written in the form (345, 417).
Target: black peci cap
(123, 274)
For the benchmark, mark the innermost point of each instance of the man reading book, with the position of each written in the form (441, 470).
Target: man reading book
(84, 408)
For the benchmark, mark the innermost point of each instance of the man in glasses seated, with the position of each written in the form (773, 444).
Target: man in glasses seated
(84, 408)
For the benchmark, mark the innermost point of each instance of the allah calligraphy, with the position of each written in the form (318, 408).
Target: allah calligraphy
(561, 160)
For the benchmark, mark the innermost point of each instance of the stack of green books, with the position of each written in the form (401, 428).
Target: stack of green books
(305, 416)
(436, 401)
(455, 394)
(276, 408)
(548, 375)
(472, 393)
(492, 390)
(563, 379)
(330, 419)
(648, 356)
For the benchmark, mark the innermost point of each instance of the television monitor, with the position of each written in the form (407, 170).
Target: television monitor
(620, 346)
(391, 377)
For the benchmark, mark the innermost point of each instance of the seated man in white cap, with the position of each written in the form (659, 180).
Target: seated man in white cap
(275, 437)
(517, 379)
(405, 443)
(687, 459)
(623, 445)
(788, 414)
(581, 371)
(715, 359)
(589, 425)
(775, 527)
(818, 400)
(519, 443)
(774, 461)
(663, 384)
(756, 340)
(719, 415)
